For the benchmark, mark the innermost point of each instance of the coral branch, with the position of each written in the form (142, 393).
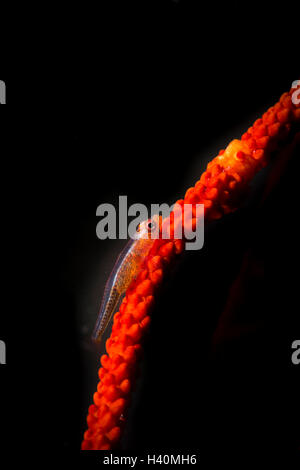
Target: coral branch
(219, 189)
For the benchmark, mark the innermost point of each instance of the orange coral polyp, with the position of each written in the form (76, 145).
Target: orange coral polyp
(219, 188)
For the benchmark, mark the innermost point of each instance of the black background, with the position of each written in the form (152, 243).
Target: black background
(134, 100)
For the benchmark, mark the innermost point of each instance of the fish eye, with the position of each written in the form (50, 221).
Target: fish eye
(151, 225)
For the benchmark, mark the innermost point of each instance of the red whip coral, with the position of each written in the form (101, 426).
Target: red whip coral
(219, 189)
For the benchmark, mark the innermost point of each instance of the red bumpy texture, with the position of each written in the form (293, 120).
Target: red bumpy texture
(219, 189)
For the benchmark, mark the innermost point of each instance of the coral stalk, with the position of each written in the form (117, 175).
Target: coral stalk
(220, 189)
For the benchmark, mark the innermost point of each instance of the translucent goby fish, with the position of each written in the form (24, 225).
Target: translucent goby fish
(124, 271)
